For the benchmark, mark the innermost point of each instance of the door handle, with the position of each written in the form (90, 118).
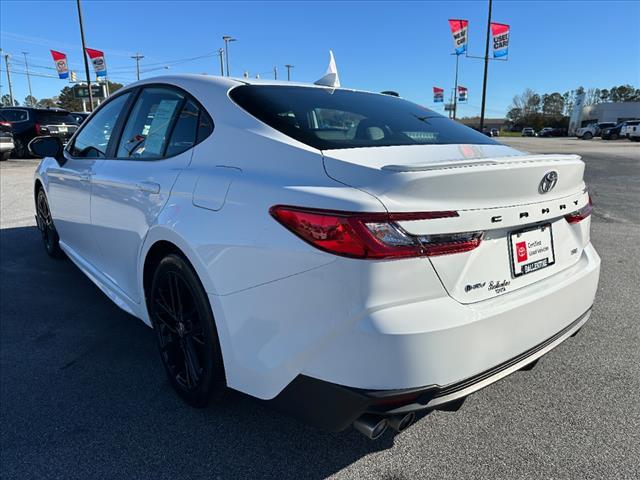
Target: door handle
(149, 187)
(85, 177)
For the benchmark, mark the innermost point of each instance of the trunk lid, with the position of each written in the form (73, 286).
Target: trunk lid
(494, 189)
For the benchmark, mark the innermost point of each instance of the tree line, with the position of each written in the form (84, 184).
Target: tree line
(530, 109)
(65, 99)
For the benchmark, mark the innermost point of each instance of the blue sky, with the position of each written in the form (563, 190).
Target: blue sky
(402, 46)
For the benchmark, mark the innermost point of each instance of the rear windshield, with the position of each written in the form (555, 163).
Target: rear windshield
(330, 119)
(56, 118)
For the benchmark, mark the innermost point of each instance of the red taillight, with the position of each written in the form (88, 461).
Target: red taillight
(579, 215)
(5, 124)
(37, 126)
(371, 235)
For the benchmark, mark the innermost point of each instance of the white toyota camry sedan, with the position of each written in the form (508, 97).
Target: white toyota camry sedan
(351, 257)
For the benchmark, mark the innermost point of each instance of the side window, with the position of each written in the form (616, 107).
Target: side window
(15, 115)
(205, 126)
(146, 133)
(185, 132)
(93, 139)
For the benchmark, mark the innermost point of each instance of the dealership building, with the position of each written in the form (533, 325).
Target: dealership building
(610, 112)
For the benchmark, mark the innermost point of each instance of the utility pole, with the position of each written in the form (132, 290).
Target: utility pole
(275, 73)
(6, 62)
(26, 69)
(221, 55)
(486, 68)
(227, 39)
(137, 57)
(84, 55)
(289, 67)
(455, 90)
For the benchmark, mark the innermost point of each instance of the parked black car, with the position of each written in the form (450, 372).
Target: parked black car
(552, 132)
(6, 138)
(612, 133)
(28, 123)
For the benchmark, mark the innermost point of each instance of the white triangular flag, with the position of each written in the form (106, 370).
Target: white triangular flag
(330, 78)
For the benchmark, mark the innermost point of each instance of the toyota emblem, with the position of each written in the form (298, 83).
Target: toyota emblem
(548, 181)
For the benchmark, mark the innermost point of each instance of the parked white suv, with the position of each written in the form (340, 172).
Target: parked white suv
(632, 131)
(593, 130)
(350, 256)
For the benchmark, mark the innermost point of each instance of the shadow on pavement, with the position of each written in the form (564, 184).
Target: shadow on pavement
(83, 393)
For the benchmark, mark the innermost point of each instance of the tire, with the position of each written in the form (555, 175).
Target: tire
(46, 226)
(5, 156)
(186, 334)
(19, 149)
(614, 136)
(587, 136)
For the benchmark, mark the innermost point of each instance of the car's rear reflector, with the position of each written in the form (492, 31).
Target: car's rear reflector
(371, 235)
(579, 215)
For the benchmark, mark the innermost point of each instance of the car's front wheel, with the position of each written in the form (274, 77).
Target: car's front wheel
(186, 332)
(587, 136)
(48, 230)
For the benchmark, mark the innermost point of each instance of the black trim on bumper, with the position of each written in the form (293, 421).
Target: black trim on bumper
(335, 407)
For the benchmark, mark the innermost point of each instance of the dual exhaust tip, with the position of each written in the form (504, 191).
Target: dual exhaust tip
(373, 426)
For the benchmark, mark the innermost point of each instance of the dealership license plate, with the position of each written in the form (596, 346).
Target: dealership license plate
(62, 129)
(531, 250)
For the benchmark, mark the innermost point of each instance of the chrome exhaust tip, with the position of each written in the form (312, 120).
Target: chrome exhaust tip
(371, 426)
(401, 422)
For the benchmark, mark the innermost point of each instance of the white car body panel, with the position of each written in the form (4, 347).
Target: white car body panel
(284, 308)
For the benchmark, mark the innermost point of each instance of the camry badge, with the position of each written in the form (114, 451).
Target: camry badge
(548, 182)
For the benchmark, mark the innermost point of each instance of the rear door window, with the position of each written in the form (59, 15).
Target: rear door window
(146, 133)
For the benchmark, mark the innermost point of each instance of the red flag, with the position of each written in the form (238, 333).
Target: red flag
(60, 59)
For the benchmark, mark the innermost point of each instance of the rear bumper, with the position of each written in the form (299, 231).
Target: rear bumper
(335, 407)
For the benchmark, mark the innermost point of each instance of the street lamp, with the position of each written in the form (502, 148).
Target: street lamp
(227, 39)
(289, 67)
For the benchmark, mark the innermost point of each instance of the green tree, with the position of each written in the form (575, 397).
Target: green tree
(553, 104)
(30, 101)
(6, 101)
(47, 102)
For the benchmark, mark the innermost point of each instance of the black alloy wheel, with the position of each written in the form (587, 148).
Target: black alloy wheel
(47, 229)
(186, 333)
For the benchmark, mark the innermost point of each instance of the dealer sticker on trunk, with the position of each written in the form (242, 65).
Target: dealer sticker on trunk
(531, 250)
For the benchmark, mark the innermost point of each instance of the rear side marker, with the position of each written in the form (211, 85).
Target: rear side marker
(372, 236)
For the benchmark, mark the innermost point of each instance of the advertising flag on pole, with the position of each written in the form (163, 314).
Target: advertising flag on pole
(462, 93)
(438, 94)
(60, 59)
(459, 32)
(97, 58)
(500, 33)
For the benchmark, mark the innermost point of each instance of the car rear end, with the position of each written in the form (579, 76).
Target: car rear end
(477, 263)
(6, 138)
(57, 123)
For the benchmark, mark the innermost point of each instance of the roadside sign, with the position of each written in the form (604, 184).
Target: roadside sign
(97, 91)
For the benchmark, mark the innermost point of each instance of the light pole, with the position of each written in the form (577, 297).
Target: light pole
(486, 68)
(26, 69)
(84, 55)
(275, 73)
(289, 67)
(221, 55)
(137, 57)
(227, 39)
(6, 62)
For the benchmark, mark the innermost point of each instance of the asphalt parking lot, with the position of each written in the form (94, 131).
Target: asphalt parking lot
(83, 394)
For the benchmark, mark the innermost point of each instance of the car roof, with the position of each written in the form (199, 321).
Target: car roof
(230, 82)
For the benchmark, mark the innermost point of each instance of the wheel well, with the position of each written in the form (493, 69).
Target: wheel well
(156, 253)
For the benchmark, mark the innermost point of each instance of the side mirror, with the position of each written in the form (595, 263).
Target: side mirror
(47, 147)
